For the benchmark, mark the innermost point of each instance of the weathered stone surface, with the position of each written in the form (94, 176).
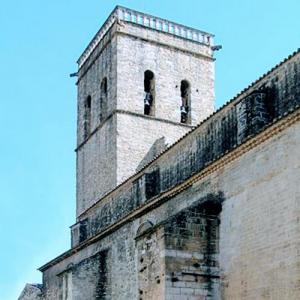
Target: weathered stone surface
(31, 292)
(258, 227)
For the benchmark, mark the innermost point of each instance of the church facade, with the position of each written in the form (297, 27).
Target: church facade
(176, 200)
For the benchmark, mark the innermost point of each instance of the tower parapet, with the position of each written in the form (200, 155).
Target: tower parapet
(146, 20)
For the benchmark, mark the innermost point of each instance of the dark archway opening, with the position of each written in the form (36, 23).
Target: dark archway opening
(103, 99)
(87, 116)
(149, 88)
(185, 110)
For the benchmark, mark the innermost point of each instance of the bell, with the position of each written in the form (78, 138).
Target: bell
(147, 100)
(183, 110)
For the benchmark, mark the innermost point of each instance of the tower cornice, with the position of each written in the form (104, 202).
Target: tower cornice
(124, 14)
(125, 112)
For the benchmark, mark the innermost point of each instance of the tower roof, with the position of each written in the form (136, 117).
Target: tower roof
(148, 21)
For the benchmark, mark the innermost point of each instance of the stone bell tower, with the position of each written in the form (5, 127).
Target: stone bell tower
(143, 82)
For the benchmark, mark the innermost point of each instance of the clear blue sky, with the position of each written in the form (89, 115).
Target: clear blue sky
(40, 42)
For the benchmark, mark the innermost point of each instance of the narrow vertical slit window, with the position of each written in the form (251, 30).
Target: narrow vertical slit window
(103, 99)
(149, 88)
(185, 108)
(87, 116)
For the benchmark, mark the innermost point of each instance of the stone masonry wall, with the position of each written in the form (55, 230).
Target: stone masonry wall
(192, 249)
(136, 136)
(95, 164)
(99, 271)
(114, 152)
(102, 64)
(151, 266)
(96, 153)
(259, 230)
(172, 60)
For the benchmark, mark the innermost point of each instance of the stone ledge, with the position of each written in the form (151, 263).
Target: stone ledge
(126, 112)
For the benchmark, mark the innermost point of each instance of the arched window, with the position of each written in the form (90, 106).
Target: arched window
(104, 85)
(149, 88)
(144, 227)
(87, 116)
(185, 109)
(103, 99)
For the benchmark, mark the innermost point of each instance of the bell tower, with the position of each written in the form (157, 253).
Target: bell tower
(143, 82)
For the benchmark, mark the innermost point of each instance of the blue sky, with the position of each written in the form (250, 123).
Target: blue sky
(40, 42)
